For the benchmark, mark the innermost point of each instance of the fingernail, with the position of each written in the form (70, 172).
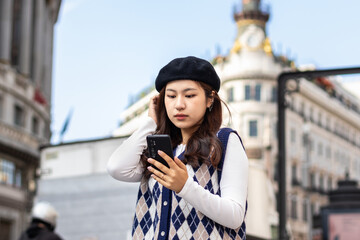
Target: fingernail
(149, 160)
(149, 168)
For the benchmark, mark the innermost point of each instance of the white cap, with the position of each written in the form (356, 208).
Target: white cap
(46, 212)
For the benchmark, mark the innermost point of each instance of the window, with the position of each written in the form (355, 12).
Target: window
(328, 152)
(293, 135)
(306, 140)
(46, 131)
(354, 138)
(293, 208)
(6, 227)
(305, 211)
(35, 125)
(7, 172)
(321, 183)
(320, 149)
(313, 210)
(336, 156)
(253, 131)
(293, 171)
(247, 92)
(230, 94)
(274, 94)
(18, 178)
(274, 232)
(312, 145)
(312, 181)
(253, 92)
(275, 128)
(19, 116)
(329, 183)
(257, 92)
(328, 124)
(291, 103)
(294, 178)
(336, 128)
(302, 109)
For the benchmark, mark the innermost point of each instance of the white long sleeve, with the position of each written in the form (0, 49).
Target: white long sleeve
(124, 164)
(227, 210)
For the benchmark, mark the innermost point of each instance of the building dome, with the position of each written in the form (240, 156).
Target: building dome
(251, 56)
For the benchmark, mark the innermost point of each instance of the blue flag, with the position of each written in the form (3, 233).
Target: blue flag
(66, 123)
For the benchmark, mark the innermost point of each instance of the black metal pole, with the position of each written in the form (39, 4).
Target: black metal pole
(281, 162)
(282, 79)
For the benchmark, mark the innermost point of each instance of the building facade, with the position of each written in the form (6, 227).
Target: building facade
(323, 135)
(91, 204)
(26, 43)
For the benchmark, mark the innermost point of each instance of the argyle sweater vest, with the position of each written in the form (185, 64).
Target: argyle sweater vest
(161, 214)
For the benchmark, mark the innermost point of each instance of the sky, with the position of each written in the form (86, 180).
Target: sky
(106, 52)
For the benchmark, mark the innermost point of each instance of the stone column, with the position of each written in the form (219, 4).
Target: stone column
(48, 60)
(25, 44)
(38, 44)
(6, 12)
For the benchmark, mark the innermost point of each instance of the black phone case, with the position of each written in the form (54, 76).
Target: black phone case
(159, 142)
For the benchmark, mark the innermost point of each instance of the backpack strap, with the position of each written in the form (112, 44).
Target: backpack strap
(223, 136)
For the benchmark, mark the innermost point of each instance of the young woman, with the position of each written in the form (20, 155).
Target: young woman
(202, 195)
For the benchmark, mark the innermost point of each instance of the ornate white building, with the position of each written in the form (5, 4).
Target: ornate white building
(26, 43)
(323, 128)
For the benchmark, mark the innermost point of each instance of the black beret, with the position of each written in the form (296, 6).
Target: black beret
(188, 68)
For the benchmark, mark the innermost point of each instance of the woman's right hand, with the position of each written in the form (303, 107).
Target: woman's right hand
(153, 107)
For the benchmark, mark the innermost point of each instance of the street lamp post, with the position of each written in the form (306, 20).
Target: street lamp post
(282, 91)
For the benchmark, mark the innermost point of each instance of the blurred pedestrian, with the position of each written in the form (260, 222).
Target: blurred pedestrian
(42, 224)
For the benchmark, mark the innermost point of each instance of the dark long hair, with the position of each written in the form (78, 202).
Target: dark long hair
(203, 146)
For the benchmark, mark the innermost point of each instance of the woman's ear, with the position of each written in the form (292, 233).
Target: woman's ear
(210, 99)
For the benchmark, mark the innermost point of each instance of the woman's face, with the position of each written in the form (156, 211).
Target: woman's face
(186, 104)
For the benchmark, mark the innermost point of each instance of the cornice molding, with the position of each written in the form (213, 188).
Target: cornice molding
(250, 76)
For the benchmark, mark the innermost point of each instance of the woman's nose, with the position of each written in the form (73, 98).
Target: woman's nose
(180, 104)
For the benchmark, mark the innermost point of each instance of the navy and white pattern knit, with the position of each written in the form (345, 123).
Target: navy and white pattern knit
(161, 214)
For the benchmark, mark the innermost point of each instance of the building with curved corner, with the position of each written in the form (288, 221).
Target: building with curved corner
(26, 52)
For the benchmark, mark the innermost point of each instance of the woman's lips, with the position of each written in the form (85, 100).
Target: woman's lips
(180, 116)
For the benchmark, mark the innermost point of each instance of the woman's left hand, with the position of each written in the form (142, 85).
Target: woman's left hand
(173, 178)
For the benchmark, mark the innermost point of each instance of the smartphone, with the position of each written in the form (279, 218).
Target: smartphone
(159, 142)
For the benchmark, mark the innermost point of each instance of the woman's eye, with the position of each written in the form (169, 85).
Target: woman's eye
(171, 96)
(190, 95)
